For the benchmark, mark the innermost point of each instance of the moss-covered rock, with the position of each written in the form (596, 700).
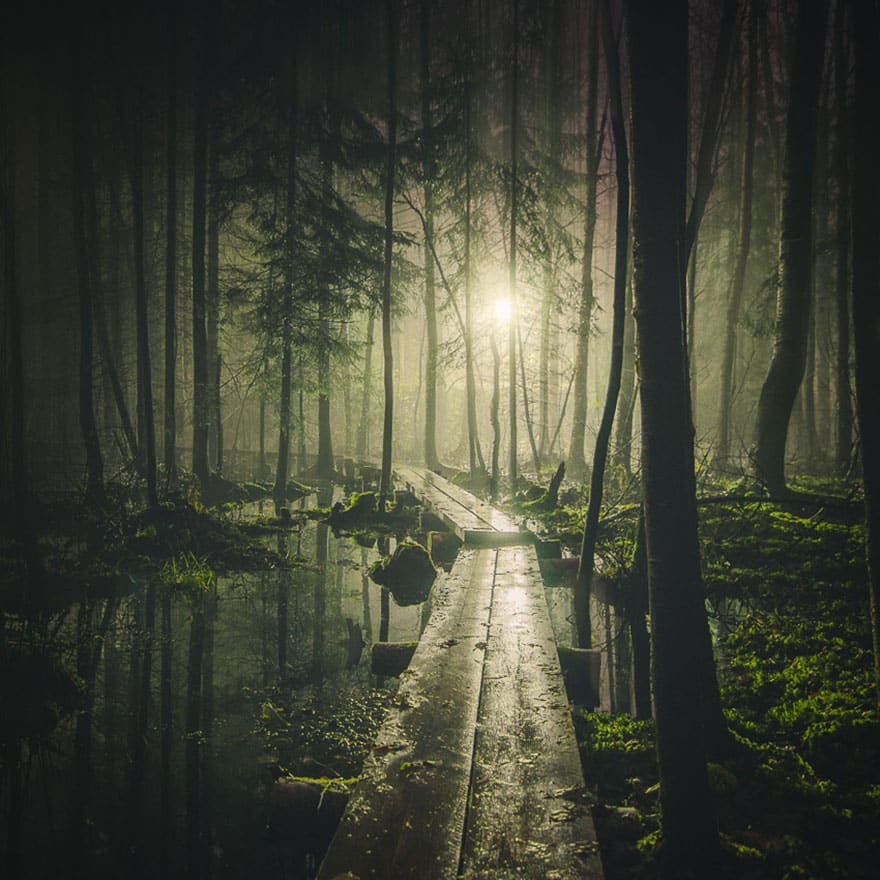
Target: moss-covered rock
(408, 573)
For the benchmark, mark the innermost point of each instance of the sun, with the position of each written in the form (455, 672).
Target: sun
(503, 309)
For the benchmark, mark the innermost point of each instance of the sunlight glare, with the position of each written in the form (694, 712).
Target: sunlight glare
(503, 310)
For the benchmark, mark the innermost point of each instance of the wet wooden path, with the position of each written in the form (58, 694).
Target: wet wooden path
(475, 773)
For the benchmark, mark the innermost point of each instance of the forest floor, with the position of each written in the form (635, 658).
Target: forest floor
(799, 796)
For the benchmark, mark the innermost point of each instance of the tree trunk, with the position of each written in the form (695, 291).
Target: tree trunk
(658, 51)
(166, 732)
(144, 360)
(511, 329)
(193, 741)
(795, 250)
(475, 458)
(843, 433)
(428, 172)
(82, 174)
(577, 465)
(385, 488)
(362, 447)
(623, 435)
(212, 305)
(201, 379)
(13, 330)
(170, 450)
(866, 289)
(325, 438)
(743, 241)
(282, 470)
(583, 585)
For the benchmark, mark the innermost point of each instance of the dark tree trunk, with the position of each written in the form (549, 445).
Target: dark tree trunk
(144, 360)
(841, 159)
(325, 438)
(511, 329)
(577, 465)
(193, 742)
(704, 176)
(428, 172)
(475, 458)
(583, 586)
(170, 450)
(743, 241)
(623, 435)
(212, 306)
(283, 616)
(166, 732)
(658, 51)
(637, 615)
(282, 469)
(795, 250)
(82, 175)
(493, 415)
(385, 487)
(13, 330)
(201, 379)
(362, 447)
(866, 289)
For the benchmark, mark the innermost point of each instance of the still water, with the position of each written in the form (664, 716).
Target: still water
(201, 699)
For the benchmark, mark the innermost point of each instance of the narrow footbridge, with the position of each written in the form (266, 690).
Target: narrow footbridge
(475, 773)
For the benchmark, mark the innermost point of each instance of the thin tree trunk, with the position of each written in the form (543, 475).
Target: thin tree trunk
(193, 742)
(282, 470)
(583, 586)
(388, 354)
(325, 438)
(743, 241)
(82, 174)
(577, 465)
(212, 304)
(795, 251)
(13, 328)
(866, 290)
(362, 447)
(843, 433)
(170, 451)
(166, 733)
(623, 435)
(144, 360)
(475, 458)
(428, 172)
(511, 329)
(493, 415)
(201, 390)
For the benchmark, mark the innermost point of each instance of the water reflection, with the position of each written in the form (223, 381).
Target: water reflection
(159, 758)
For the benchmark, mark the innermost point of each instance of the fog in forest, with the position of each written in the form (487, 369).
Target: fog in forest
(257, 256)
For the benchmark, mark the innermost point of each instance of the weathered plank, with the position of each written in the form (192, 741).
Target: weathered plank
(526, 816)
(406, 817)
(472, 519)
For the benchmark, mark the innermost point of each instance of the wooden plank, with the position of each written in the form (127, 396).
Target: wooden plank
(406, 817)
(526, 818)
(462, 511)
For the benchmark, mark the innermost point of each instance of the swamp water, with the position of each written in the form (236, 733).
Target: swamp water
(268, 674)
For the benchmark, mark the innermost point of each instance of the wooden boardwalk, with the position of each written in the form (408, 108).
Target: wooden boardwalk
(473, 520)
(475, 773)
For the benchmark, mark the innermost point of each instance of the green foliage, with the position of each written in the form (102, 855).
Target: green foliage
(189, 575)
(333, 731)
